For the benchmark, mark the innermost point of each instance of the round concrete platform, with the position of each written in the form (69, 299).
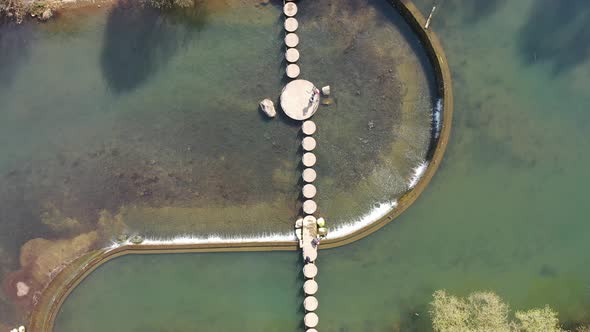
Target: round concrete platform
(312, 254)
(310, 287)
(308, 127)
(309, 220)
(310, 270)
(291, 24)
(309, 206)
(293, 70)
(292, 55)
(291, 40)
(300, 99)
(309, 159)
(309, 175)
(311, 319)
(309, 191)
(308, 143)
(310, 303)
(290, 9)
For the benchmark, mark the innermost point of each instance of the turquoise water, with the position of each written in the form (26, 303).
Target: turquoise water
(506, 211)
(123, 120)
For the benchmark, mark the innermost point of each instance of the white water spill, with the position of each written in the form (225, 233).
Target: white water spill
(213, 238)
(417, 174)
(379, 211)
(436, 117)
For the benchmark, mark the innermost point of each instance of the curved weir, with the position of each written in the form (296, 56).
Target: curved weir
(349, 229)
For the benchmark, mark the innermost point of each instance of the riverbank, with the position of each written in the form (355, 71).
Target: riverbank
(18, 11)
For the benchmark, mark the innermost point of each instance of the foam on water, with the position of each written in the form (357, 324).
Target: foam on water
(379, 211)
(213, 238)
(436, 117)
(417, 174)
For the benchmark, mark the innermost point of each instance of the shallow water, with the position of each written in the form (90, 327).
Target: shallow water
(124, 120)
(506, 211)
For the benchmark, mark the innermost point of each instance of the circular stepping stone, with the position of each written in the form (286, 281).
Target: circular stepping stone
(308, 143)
(290, 9)
(309, 206)
(308, 127)
(310, 287)
(293, 71)
(313, 255)
(309, 159)
(310, 303)
(311, 319)
(309, 220)
(309, 175)
(310, 270)
(291, 24)
(309, 191)
(300, 99)
(292, 55)
(291, 40)
(311, 330)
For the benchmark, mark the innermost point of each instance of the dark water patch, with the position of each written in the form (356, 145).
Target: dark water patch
(138, 40)
(15, 43)
(557, 33)
(472, 11)
(548, 271)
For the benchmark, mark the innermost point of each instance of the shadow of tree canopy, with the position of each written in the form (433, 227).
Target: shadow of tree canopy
(473, 11)
(139, 39)
(557, 32)
(15, 42)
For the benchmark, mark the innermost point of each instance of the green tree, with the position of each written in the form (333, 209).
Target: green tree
(486, 312)
(536, 320)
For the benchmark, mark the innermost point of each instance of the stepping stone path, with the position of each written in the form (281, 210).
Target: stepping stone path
(300, 100)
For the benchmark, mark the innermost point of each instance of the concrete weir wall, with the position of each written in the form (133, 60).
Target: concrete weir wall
(43, 316)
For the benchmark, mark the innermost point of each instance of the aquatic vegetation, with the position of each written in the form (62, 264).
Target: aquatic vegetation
(57, 222)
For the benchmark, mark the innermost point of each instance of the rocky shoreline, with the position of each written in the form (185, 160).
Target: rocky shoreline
(20, 11)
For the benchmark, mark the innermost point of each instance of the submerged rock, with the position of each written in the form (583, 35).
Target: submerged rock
(136, 239)
(268, 107)
(122, 238)
(22, 289)
(327, 101)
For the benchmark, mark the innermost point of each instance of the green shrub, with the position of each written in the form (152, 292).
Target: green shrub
(486, 312)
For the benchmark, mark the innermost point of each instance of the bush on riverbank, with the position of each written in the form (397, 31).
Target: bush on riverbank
(485, 311)
(18, 9)
(169, 4)
(12, 9)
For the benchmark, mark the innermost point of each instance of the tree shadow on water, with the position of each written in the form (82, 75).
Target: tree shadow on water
(139, 40)
(15, 43)
(473, 11)
(557, 33)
